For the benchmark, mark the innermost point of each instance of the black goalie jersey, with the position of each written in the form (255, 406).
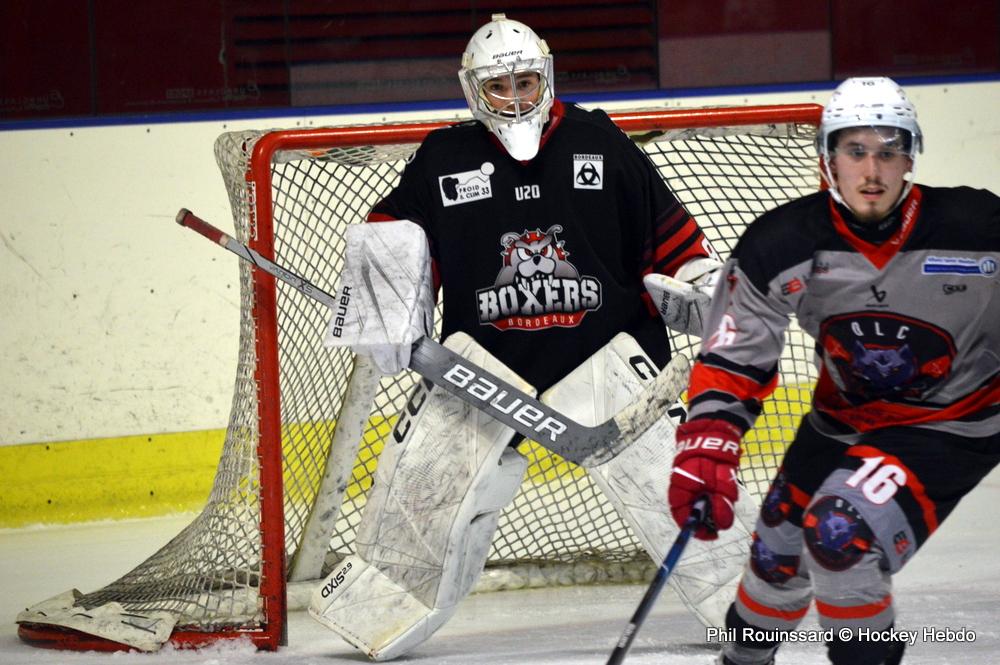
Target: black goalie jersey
(541, 262)
(907, 331)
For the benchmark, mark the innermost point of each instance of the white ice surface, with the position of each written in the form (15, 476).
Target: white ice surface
(954, 582)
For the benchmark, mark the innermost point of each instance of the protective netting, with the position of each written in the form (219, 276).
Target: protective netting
(209, 575)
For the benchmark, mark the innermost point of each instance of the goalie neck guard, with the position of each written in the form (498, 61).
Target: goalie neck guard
(507, 77)
(873, 102)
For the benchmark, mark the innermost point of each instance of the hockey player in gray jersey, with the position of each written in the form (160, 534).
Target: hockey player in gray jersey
(898, 285)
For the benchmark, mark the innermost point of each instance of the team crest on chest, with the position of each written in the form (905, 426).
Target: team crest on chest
(467, 186)
(588, 171)
(537, 287)
(885, 356)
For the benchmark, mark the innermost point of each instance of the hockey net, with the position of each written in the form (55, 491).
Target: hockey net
(293, 193)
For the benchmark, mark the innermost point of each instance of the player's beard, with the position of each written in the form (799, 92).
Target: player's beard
(867, 208)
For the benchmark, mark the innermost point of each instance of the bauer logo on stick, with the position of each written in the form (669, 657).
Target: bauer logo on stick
(499, 399)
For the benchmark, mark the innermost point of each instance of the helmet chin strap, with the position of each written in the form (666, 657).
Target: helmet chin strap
(907, 185)
(831, 182)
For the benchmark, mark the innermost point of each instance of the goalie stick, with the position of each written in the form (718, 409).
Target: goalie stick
(585, 446)
(698, 514)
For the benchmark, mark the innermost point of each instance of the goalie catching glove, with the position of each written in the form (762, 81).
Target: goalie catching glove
(683, 300)
(708, 455)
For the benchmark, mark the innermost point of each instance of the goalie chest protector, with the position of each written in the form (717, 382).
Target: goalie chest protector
(541, 261)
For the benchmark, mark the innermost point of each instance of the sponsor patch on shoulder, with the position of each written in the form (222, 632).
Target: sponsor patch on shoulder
(588, 171)
(959, 265)
(458, 188)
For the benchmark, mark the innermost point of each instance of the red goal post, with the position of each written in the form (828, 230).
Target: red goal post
(292, 193)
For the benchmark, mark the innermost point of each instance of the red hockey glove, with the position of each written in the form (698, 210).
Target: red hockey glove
(708, 455)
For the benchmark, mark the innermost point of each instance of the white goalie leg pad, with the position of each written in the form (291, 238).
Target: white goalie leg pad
(635, 481)
(385, 298)
(443, 478)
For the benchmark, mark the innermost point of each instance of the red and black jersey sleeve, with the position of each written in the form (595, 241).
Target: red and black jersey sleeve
(412, 200)
(674, 240)
(670, 237)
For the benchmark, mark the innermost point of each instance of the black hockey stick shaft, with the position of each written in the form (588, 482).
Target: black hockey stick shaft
(697, 516)
(488, 393)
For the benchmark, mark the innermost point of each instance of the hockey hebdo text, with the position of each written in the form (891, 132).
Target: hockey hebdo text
(911, 637)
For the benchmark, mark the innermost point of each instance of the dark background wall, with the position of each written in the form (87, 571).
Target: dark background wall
(105, 58)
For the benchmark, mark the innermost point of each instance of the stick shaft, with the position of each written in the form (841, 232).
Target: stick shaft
(187, 218)
(656, 585)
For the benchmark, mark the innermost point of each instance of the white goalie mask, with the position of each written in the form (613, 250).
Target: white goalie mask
(506, 75)
(869, 102)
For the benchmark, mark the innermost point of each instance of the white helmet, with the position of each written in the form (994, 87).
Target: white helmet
(868, 102)
(505, 48)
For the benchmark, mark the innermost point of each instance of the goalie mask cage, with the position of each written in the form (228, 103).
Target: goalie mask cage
(293, 193)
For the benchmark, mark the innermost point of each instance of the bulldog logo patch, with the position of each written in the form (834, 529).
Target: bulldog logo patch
(537, 287)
